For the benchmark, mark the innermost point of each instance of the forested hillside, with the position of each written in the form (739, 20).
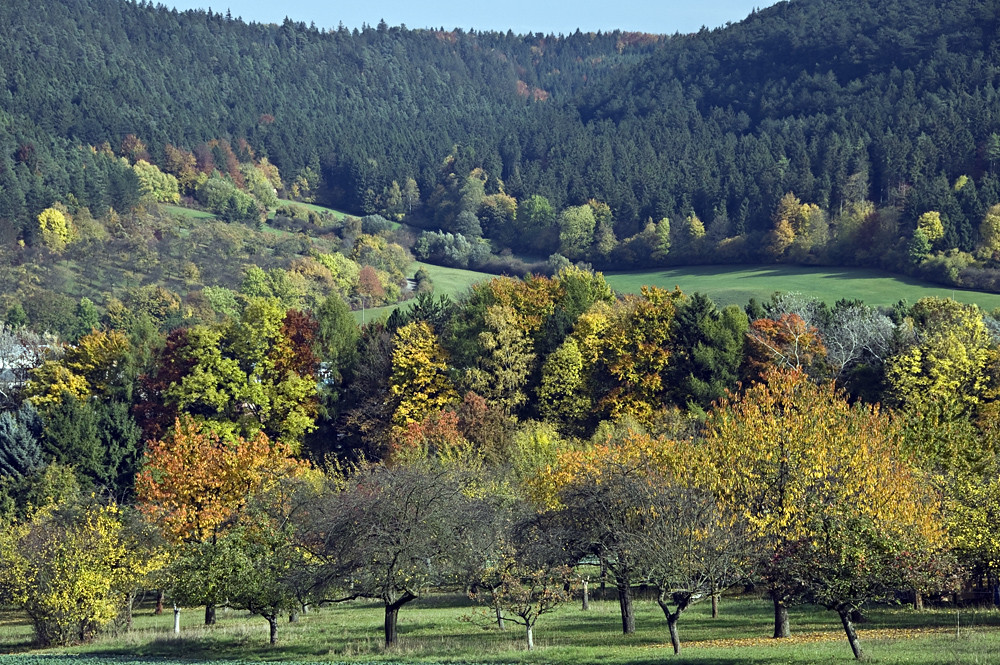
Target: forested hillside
(862, 132)
(384, 103)
(838, 102)
(186, 396)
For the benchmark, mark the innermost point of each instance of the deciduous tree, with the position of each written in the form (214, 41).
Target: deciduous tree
(827, 491)
(386, 534)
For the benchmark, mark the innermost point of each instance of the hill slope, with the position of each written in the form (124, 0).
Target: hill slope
(890, 101)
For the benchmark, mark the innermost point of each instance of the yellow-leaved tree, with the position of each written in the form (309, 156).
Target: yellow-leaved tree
(947, 359)
(643, 508)
(835, 506)
(54, 228)
(73, 568)
(419, 374)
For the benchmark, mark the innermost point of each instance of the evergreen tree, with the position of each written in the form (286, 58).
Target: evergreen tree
(20, 451)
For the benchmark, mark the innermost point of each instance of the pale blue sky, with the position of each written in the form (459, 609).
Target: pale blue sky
(521, 16)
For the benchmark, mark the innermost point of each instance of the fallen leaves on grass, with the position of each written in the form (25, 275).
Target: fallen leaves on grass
(808, 638)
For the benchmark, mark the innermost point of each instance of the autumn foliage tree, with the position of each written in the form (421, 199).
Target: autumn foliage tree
(829, 496)
(787, 342)
(600, 507)
(419, 381)
(73, 567)
(193, 485)
(195, 479)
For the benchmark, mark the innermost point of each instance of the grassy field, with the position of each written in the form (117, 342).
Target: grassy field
(448, 629)
(452, 282)
(189, 213)
(315, 208)
(737, 284)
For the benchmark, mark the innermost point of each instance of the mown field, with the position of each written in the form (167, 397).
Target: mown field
(451, 282)
(737, 284)
(449, 629)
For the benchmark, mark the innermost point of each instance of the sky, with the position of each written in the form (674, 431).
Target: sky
(521, 16)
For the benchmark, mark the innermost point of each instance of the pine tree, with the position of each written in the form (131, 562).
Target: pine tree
(20, 452)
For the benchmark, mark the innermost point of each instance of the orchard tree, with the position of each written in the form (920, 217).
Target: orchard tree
(831, 500)
(598, 507)
(268, 572)
(961, 459)
(386, 533)
(522, 593)
(193, 486)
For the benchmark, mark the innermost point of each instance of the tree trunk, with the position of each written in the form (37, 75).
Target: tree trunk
(531, 638)
(293, 617)
(500, 624)
(918, 600)
(177, 619)
(675, 640)
(715, 606)
(628, 615)
(781, 628)
(391, 613)
(272, 622)
(210, 614)
(159, 602)
(852, 636)
(672, 617)
(129, 606)
(586, 596)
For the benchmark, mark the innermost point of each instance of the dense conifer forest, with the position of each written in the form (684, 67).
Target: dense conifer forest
(870, 114)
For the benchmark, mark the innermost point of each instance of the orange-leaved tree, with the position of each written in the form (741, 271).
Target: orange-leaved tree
(193, 485)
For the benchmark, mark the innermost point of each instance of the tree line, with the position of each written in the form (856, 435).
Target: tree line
(282, 453)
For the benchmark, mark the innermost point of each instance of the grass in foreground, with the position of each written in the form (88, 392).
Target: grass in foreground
(735, 285)
(448, 629)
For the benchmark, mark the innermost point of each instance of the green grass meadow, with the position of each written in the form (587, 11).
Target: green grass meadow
(735, 285)
(311, 206)
(187, 213)
(452, 282)
(449, 629)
